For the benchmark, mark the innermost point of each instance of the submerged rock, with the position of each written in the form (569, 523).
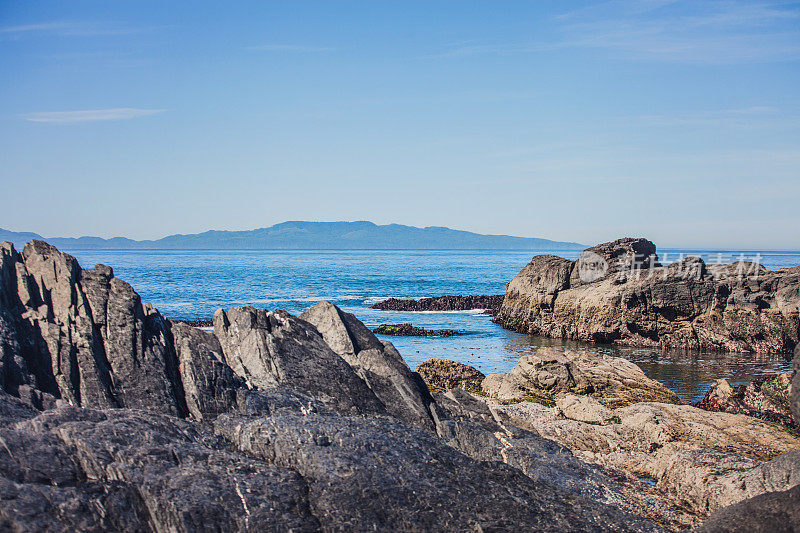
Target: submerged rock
(618, 293)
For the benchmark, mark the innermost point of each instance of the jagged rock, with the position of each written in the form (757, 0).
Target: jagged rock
(443, 375)
(210, 386)
(773, 512)
(765, 398)
(271, 348)
(82, 336)
(618, 293)
(378, 363)
(549, 372)
(270, 423)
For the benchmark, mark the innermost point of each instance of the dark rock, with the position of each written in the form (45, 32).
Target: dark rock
(618, 293)
(198, 323)
(82, 336)
(443, 375)
(407, 330)
(442, 303)
(796, 386)
(773, 512)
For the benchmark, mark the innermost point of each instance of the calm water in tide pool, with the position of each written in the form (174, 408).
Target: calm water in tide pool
(192, 284)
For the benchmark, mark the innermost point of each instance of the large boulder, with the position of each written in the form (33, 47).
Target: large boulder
(618, 293)
(379, 364)
(610, 258)
(549, 373)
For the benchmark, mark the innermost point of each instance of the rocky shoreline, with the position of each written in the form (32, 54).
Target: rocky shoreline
(443, 303)
(116, 418)
(619, 293)
(407, 330)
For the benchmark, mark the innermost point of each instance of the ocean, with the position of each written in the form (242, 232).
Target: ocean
(192, 284)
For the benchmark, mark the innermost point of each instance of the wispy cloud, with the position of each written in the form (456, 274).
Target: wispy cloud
(290, 48)
(89, 115)
(72, 28)
(726, 32)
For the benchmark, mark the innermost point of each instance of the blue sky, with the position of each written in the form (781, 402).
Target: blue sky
(581, 121)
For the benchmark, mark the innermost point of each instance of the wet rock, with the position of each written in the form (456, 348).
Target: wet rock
(443, 375)
(618, 293)
(549, 373)
(378, 363)
(407, 330)
(767, 398)
(441, 303)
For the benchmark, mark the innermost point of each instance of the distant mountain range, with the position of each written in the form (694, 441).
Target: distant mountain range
(310, 235)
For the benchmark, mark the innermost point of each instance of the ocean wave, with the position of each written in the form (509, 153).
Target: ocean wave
(371, 300)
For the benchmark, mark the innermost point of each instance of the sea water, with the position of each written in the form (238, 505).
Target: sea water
(192, 284)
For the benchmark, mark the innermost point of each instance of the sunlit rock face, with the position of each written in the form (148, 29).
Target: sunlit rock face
(619, 293)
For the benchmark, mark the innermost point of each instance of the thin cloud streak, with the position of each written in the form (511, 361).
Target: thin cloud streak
(89, 115)
(671, 31)
(73, 29)
(289, 48)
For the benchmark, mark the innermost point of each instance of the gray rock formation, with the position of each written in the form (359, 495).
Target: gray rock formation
(618, 292)
(378, 363)
(271, 348)
(113, 418)
(773, 512)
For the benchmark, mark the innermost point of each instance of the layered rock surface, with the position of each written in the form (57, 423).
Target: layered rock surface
(114, 418)
(618, 293)
(698, 461)
(549, 372)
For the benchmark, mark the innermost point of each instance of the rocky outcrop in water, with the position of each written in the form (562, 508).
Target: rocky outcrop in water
(409, 330)
(442, 303)
(618, 293)
(114, 418)
(549, 373)
(767, 398)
